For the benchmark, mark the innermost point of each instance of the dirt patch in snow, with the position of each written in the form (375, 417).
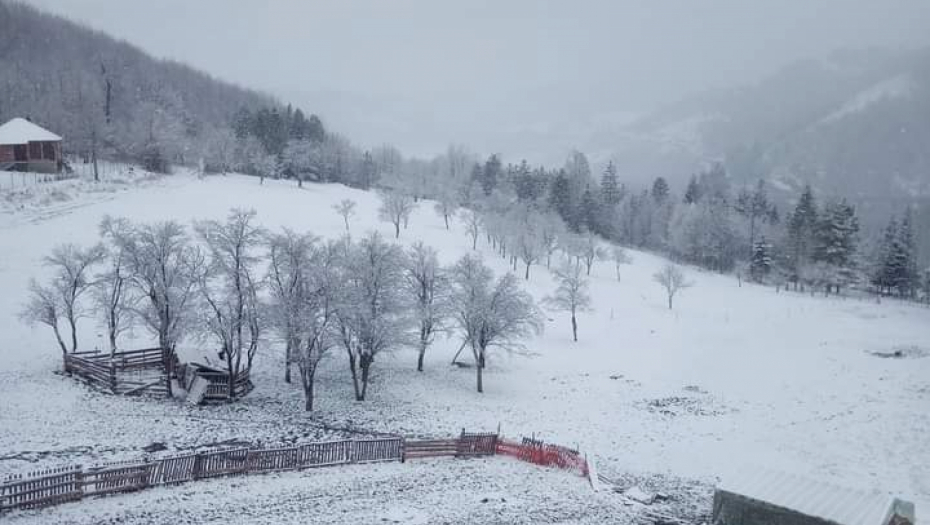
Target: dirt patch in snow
(902, 352)
(675, 406)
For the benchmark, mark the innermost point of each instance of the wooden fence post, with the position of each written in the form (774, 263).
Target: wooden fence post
(195, 472)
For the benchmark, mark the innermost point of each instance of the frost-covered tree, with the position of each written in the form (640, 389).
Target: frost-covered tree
(571, 295)
(473, 223)
(62, 299)
(756, 208)
(164, 268)
(551, 232)
(760, 265)
(396, 208)
(303, 281)
(586, 248)
(491, 314)
(302, 160)
(802, 227)
(232, 313)
(346, 210)
(373, 312)
(673, 280)
(113, 298)
(611, 192)
(836, 241)
(619, 257)
(447, 202)
(427, 287)
(525, 225)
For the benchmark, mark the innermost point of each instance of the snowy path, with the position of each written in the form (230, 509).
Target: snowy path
(732, 376)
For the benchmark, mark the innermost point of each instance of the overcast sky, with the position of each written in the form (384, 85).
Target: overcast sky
(423, 73)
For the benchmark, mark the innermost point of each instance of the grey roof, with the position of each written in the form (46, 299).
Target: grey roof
(21, 131)
(841, 505)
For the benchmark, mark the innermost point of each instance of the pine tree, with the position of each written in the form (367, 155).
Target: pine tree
(560, 200)
(610, 186)
(756, 208)
(883, 275)
(693, 192)
(660, 190)
(836, 239)
(802, 223)
(907, 278)
(589, 211)
(761, 263)
(490, 174)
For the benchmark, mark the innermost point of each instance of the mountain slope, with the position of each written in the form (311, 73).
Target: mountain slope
(86, 85)
(855, 124)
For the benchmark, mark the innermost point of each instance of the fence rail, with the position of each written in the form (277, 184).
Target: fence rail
(52, 487)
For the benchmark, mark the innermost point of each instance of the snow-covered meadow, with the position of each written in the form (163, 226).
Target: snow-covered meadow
(734, 375)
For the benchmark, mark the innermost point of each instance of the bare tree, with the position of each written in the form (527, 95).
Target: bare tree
(62, 298)
(373, 312)
(572, 293)
(673, 280)
(619, 256)
(44, 306)
(473, 222)
(428, 287)
(447, 202)
(229, 289)
(552, 229)
(584, 247)
(113, 297)
(346, 209)
(303, 287)
(395, 208)
(527, 240)
(288, 271)
(164, 268)
(491, 314)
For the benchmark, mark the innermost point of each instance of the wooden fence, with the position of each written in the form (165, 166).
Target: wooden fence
(127, 373)
(52, 487)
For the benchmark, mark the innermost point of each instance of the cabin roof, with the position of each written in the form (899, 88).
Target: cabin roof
(21, 131)
(841, 505)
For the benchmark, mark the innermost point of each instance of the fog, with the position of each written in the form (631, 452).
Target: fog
(422, 73)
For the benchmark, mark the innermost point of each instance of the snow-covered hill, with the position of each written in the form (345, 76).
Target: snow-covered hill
(733, 376)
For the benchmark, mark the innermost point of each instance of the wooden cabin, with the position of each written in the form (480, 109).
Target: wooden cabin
(25, 146)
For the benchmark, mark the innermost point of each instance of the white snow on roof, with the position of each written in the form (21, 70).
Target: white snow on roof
(842, 505)
(21, 131)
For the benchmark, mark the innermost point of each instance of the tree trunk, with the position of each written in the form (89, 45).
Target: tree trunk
(669, 301)
(446, 217)
(397, 230)
(479, 368)
(365, 364)
(61, 342)
(287, 362)
(354, 370)
(465, 342)
(474, 242)
(527, 276)
(420, 358)
(346, 219)
(308, 391)
(74, 343)
(574, 328)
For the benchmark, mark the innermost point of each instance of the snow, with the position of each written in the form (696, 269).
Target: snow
(895, 87)
(21, 131)
(733, 376)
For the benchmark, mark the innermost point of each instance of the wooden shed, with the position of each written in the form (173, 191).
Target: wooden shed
(759, 496)
(25, 146)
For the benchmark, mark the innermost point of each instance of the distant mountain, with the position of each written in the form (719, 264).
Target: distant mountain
(856, 124)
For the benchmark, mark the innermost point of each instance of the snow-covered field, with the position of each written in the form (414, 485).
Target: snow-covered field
(733, 376)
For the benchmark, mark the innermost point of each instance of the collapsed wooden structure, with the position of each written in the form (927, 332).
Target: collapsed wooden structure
(52, 487)
(137, 372)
